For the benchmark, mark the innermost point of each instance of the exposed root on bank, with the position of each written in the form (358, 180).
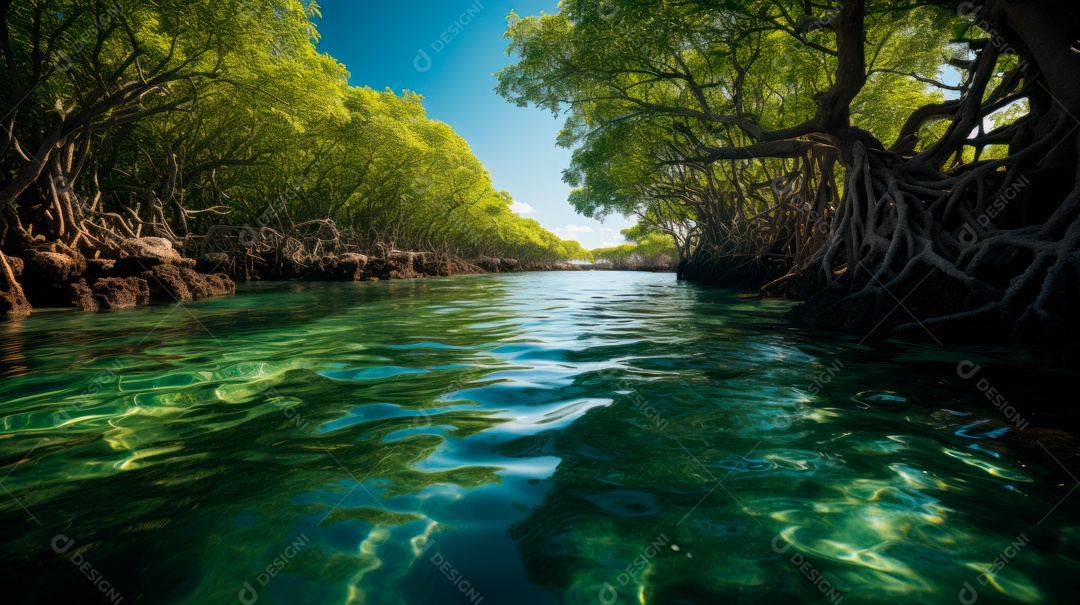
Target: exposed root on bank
(127, 272)
(918, 254)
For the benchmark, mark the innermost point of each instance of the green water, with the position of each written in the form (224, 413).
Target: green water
(574, 438)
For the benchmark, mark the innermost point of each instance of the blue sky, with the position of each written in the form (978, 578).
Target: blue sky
(379, 43)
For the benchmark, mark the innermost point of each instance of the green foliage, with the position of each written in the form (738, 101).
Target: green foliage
(647, 85)
(184, 114)
(648, 248)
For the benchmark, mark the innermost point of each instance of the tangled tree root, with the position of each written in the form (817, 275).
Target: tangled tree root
(908, 259)
(721, 266)
(317, 251)
(13, 302)
(752, 251)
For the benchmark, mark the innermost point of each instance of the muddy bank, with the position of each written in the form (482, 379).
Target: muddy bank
(384, 264)
(140, 272)
(150, 270)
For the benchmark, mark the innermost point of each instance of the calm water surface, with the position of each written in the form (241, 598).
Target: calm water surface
(575, 438)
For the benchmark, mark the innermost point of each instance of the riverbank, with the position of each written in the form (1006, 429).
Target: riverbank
(150, 270)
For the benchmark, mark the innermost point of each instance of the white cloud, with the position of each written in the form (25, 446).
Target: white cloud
(521, 208)
(573, 231)
(577, 229)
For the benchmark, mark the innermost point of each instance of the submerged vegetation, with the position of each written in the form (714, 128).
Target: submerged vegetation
(853, 155)
(219, 128)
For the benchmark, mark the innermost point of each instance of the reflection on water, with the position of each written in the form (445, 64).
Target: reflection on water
(538, 438)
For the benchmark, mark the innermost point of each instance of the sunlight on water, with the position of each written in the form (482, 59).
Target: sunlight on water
(574, 438)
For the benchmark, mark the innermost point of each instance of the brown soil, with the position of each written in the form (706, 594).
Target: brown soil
(145, 270)
(149, 270)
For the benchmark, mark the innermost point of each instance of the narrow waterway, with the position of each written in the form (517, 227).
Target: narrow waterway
(523, 439)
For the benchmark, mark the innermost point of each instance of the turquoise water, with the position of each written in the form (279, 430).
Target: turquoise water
(524, 439)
